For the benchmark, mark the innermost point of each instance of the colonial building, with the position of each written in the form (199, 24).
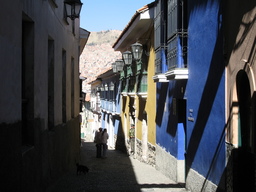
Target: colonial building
(240, 69)
(137, 86)
(39, 114)
(110, 105)
(171, 76)
(202, 133)
(92, 111)
(205, 65)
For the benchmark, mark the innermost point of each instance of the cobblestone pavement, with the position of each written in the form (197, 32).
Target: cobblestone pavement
(117, 172)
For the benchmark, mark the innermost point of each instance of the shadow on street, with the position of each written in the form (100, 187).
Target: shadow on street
(117, 172)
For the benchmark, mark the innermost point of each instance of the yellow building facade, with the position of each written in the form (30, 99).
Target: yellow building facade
(138, 89)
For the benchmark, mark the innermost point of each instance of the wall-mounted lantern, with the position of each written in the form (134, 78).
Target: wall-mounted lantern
(102, 88)
(118, 66)
(127, 57)
(106, 87)
(98, 89)
(111, 86)
(114, 68)
(137, 50)
(72, 8)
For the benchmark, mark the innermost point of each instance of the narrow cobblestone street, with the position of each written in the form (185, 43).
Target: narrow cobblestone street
(117, 172)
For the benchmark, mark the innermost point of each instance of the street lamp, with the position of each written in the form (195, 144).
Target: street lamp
(137, 51)
(73, 8)
(127, 57)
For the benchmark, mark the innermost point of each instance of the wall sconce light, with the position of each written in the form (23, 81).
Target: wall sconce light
(118, 66)
(98, 89)
(137, 50)
(73, 8)
(114, 68)
(106, 87)
(127, 57)
(102, 88)
(111, 86)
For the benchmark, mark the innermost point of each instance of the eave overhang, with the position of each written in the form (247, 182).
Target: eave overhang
(138, 25)
(84, 36)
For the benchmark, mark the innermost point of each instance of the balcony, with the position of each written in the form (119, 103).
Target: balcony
(108, 106)
(131, 86)
(143, 86)
(177, 58)
(124, 87)
(171, 41)
(160, 65)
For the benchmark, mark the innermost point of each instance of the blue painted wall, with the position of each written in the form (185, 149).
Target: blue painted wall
(206, 90)
(170, 132)
(203, 130)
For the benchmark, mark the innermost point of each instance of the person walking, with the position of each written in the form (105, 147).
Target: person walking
(97, 140)
(104, 140)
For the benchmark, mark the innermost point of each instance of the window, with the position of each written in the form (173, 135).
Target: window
(172, 17)
(160, 24)
(177, 34)
(177, 52)
(160, 36)
(170, 40)
(177, 17)
(172, 53)
(157, 27)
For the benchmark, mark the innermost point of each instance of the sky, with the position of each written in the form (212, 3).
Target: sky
(102, 15)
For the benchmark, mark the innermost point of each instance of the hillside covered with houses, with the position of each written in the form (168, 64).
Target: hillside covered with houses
(98, 55)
